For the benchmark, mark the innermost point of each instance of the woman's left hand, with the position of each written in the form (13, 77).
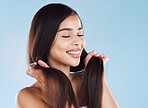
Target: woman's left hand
(91, 54)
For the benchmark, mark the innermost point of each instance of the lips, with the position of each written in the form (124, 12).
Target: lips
(74, 52)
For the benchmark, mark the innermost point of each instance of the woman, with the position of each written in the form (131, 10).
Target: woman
(56, 48)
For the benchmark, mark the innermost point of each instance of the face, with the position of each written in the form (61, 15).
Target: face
(68, 44)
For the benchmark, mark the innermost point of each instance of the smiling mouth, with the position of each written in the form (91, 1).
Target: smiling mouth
(75, 54)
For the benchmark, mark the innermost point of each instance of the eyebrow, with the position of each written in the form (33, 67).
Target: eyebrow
(69, 29)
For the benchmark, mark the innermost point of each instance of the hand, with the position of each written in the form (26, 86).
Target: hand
(91, 54)
(35, 73)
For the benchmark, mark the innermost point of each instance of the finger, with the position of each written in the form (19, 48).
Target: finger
(29, 72)
(39, 76)
(97, 55)
(33, 64)
(43, 64)
(102, 56)
(35, 73)
(88, 57)
(29, 67)
(92, 53)
(105, 58)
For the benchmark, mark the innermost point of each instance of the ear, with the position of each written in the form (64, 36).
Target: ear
(81, 65)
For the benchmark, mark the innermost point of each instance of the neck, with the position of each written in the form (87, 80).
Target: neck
(64, 68)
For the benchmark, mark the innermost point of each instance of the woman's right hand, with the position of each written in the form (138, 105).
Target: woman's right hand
(35, 73)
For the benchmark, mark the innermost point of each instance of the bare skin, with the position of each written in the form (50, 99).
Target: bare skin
(34, 92)
(31, 97)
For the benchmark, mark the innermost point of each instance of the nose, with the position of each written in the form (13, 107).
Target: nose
(76, 41)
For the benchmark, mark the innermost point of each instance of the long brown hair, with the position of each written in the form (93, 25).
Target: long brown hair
(59, 90)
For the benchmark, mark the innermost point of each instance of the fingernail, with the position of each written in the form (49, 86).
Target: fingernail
(32, 64)
(97, 54)
(93, 51)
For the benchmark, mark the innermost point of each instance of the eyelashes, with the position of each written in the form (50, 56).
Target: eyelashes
(65, 36)
(80, 35)
(69, 36)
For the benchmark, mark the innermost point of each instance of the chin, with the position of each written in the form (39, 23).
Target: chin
(74, 64)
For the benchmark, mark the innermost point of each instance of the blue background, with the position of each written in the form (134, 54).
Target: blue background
(118, 28)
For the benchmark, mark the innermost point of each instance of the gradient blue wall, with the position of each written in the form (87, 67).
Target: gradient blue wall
(118, 28)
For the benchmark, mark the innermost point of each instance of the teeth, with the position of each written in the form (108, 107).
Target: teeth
(80, 46)
(74, 52)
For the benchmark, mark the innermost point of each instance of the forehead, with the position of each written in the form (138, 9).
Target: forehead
(71, 22)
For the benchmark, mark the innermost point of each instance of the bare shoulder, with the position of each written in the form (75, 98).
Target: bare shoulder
(28, 98)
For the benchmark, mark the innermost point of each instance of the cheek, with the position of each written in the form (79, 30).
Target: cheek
(60, 46)
(83, 43)
(63, 46)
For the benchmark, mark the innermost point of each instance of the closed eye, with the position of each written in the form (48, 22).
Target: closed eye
(80, 35)
(66, 36)
(69, 36)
